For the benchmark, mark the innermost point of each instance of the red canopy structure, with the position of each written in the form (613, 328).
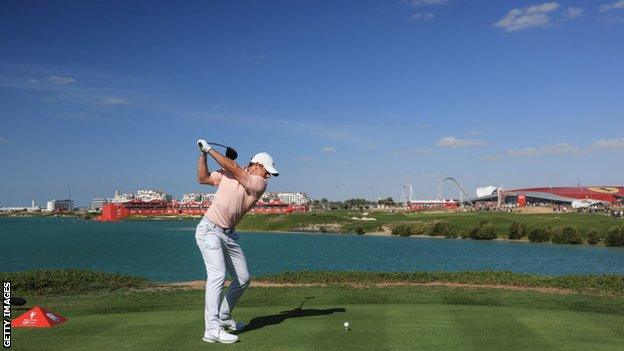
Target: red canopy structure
(37, 317)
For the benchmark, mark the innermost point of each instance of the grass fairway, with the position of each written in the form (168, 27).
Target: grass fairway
(342, 221)
(382, 318)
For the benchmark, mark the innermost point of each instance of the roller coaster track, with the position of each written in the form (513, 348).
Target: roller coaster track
(439, 195)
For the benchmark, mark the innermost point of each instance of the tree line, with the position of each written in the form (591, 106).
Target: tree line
(351, 204)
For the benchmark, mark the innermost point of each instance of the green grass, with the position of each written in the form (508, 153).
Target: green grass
(603, 284)
(389, 318)
(459, 222)
(71, 282)
(59, 282)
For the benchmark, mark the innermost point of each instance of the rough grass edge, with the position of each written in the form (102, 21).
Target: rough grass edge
(603, 284)
(52, 282)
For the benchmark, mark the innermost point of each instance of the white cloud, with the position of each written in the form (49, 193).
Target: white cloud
(112, 101)
(3, 140)
(557, 149)
(33, 81)
(475, 132)
(305, 158)
(543, 8)
(328, 149)
(60, 80)
(615, 143)
(528, 17)
(450, 141)
(618, 5)
(423, 16)
(427, 16)
(574, 12)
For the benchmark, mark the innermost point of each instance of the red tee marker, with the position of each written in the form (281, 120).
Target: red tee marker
(37, 317)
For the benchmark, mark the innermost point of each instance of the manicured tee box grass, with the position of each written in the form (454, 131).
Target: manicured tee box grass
(312, 317)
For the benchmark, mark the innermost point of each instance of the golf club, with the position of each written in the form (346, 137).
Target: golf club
(229, 152)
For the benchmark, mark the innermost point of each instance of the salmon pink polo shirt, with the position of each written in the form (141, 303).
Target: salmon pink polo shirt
(233, 199)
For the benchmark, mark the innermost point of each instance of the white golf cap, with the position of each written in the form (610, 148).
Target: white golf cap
(267, 161)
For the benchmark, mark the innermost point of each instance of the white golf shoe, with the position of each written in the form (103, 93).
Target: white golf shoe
(219, 335)
(232, 325)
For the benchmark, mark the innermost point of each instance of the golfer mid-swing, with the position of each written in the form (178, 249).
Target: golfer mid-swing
(238, 190)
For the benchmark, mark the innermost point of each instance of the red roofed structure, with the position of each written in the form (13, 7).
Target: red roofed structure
(561, 195)
(609, 194)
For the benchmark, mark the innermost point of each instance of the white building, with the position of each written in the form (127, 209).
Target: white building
(197, 197)
(296, 198)
(147, 195)
(60, 205)
(486, 190)
(32, 208)
(191, 197)
(98, 203)
(14, 209)
(119, 198)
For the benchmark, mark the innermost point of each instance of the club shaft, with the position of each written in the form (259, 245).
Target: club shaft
(217, 144)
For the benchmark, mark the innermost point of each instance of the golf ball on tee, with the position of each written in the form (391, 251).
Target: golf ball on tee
(346, 324)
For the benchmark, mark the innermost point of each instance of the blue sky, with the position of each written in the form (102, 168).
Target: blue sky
(352, 98)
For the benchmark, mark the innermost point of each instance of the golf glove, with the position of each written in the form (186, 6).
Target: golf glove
(203, 146)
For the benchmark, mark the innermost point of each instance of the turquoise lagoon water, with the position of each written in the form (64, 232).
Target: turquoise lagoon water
(166, 251)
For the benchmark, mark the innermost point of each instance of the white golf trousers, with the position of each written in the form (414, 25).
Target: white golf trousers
(221, 253)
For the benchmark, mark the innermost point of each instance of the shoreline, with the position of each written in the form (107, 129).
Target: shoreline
(341, 223)
(418, 236)
(201, 284)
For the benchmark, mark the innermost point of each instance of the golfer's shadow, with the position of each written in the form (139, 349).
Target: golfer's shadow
(272, 319)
